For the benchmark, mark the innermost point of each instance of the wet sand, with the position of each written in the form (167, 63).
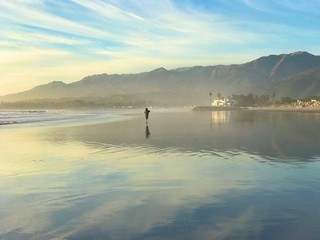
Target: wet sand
(184, 175)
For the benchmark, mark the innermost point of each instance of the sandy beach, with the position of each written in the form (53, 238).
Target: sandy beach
(277, 108)
(285, 108)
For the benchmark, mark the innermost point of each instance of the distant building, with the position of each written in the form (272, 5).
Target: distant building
(225, 102)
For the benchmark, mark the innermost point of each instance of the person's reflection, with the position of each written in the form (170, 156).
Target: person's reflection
(147, 132)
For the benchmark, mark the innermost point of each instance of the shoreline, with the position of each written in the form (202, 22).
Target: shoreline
(211, 108)
(269, 108)
(285, 109)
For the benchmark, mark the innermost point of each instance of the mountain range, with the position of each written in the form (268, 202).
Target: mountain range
(295, 75)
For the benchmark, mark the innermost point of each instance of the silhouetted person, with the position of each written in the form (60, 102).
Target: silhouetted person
(146, 114)
(147, 132)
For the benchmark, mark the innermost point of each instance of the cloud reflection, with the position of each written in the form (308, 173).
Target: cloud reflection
(108, 181)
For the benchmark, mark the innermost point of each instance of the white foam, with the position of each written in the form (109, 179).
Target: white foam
(49, 116)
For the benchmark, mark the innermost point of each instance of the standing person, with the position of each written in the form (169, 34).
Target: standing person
(146, 114)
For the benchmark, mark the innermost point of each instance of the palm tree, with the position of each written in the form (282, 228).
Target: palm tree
(210, 94)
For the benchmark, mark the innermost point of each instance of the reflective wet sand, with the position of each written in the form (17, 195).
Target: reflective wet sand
(185, 175)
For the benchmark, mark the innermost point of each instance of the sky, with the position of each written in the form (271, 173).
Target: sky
(65, 40)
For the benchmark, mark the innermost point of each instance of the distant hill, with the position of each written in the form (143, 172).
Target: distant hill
(295, 75)
(303, 84)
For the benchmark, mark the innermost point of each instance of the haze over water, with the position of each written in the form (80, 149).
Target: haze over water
(185, 175)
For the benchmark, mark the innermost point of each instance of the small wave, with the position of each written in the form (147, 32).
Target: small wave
(7, 122)
(37, 116)
(33, 116)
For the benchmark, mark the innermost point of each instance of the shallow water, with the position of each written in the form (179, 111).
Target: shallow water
(185, 175)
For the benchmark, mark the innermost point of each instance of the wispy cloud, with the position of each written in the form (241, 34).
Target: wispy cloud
(108, 10)
(165, 33)
(285, 6)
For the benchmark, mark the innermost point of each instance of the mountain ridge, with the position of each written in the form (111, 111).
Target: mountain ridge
(264, 75)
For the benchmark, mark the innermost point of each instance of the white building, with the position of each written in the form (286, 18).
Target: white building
(225, 102)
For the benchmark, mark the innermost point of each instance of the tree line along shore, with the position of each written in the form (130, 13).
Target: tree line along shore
(261, 102)
(241, 101)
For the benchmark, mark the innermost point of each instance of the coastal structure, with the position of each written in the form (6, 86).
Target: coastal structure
(223, 102)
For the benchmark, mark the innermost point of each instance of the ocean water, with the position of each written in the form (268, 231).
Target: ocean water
(184, 175)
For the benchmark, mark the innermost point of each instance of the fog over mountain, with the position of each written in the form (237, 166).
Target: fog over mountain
(295, 75)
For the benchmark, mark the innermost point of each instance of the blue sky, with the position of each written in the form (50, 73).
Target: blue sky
(66, 40)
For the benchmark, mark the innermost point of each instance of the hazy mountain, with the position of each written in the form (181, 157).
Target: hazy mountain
(296, 75)
(304, 84)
